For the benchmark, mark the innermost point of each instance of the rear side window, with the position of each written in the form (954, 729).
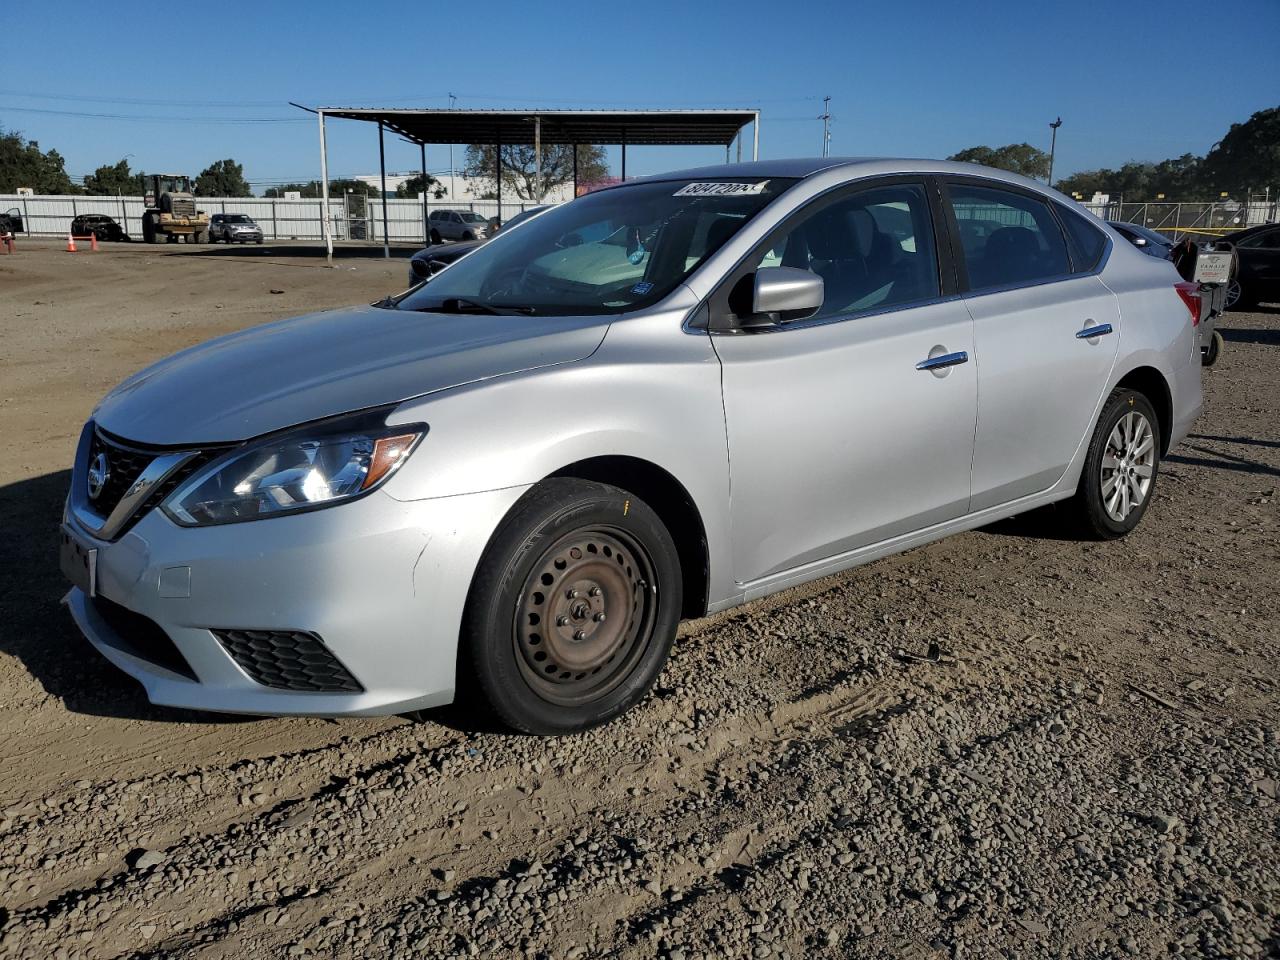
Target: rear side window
(1007, 238)
(1085, 241)
(1268, 240)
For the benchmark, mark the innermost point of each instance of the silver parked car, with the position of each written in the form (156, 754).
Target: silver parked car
(657, 401)
(456, 225)
(234, 228)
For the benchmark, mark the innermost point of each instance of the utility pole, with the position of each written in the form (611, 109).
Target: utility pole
(1053, 144)
(826, 126)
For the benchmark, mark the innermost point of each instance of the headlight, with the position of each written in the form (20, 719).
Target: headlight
(289, 474)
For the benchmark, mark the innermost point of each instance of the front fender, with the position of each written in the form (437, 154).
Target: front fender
(651, 391)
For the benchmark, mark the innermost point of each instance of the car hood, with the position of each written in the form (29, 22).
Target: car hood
(447, 252)
(280, 374)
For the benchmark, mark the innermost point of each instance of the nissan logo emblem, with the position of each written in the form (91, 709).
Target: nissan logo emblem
(99, 471)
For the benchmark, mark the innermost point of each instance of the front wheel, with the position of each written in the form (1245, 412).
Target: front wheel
(572, 609)
(1121, 465)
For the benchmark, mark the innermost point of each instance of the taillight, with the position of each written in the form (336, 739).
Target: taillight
(1190, 294)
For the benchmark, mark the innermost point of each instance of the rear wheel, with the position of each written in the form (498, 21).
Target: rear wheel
(435, 236)
(1120, 468)
(573, 608)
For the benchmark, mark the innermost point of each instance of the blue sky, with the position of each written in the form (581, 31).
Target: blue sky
(927, 78)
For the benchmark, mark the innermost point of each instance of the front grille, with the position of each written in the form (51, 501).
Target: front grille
(142, 636)
(287, 660)
(125, 466)
(182, 208)
(126, 462)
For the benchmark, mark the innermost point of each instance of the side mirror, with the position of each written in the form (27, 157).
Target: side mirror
(789, 292)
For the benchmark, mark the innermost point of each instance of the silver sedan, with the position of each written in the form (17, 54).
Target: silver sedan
(658, 401)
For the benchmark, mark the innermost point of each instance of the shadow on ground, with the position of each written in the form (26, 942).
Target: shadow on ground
(37, 630)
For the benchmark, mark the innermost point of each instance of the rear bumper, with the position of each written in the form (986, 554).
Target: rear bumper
(382, 583)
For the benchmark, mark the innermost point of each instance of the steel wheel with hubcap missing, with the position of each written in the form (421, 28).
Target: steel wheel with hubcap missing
(586, 615)
(1120, 467)
(1128, 466)
(573, 607)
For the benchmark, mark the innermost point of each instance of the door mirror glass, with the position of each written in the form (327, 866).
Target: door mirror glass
(789, 292)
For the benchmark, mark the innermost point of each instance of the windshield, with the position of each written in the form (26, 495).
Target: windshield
(236, 218)
(468, 217)
(604, 253)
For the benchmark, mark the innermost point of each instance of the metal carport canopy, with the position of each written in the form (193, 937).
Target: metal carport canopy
(535, 127)
(632, 127)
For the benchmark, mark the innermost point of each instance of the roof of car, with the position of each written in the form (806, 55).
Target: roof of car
(802, 167)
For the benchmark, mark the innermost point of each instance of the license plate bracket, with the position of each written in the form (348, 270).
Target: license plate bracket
(79, 562)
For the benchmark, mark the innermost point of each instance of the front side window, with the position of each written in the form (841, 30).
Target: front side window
(605, 253)
(873, 249)
(1007, 238)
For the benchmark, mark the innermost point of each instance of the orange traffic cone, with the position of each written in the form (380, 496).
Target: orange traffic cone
(71, 243)
(93, 237)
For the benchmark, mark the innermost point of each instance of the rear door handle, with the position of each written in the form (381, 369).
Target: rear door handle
(943, 360)
(1088, 333)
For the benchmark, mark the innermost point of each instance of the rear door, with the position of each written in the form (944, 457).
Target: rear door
(1046, 334)
(837, 437)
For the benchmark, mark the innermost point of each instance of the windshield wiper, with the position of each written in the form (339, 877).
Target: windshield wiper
(463, 305)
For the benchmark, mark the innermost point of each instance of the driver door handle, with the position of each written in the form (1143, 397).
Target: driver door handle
(943, 360)
(1088, 333)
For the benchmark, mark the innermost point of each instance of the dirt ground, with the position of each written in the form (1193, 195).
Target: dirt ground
(1009, 743)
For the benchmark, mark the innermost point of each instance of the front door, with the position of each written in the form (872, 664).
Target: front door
(856, 425)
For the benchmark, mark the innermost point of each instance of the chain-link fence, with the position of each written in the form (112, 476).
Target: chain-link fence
(1218, 218)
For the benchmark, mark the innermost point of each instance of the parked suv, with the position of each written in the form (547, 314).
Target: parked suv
(233, 228)
(657, 401)
(457, 225)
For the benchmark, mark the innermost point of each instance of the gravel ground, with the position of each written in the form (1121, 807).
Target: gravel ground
(1006, 744)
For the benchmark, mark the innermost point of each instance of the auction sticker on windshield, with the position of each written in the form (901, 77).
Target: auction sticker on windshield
(708, 189)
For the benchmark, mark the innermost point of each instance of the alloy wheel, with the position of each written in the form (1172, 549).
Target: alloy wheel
(1128, 466)
(586, 615)
(1233, 293)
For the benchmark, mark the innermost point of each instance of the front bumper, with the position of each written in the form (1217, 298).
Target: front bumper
(381, 582)
(245, 235)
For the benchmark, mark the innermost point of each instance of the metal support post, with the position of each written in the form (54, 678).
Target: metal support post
(425, 235)
(324, 193)
(382, 166)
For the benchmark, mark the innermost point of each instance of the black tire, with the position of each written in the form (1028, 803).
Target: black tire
(569, 552)
(149, 230)
(1209, 357)
(1090, 503)
(468, 235)
(435, 237)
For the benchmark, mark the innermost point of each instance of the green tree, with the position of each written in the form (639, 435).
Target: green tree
(311, 189)
(1015, 157)
(223, 178)
(413, 186)
(24, 164)
(519, 167)
(1248, 157)
(113, 179)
